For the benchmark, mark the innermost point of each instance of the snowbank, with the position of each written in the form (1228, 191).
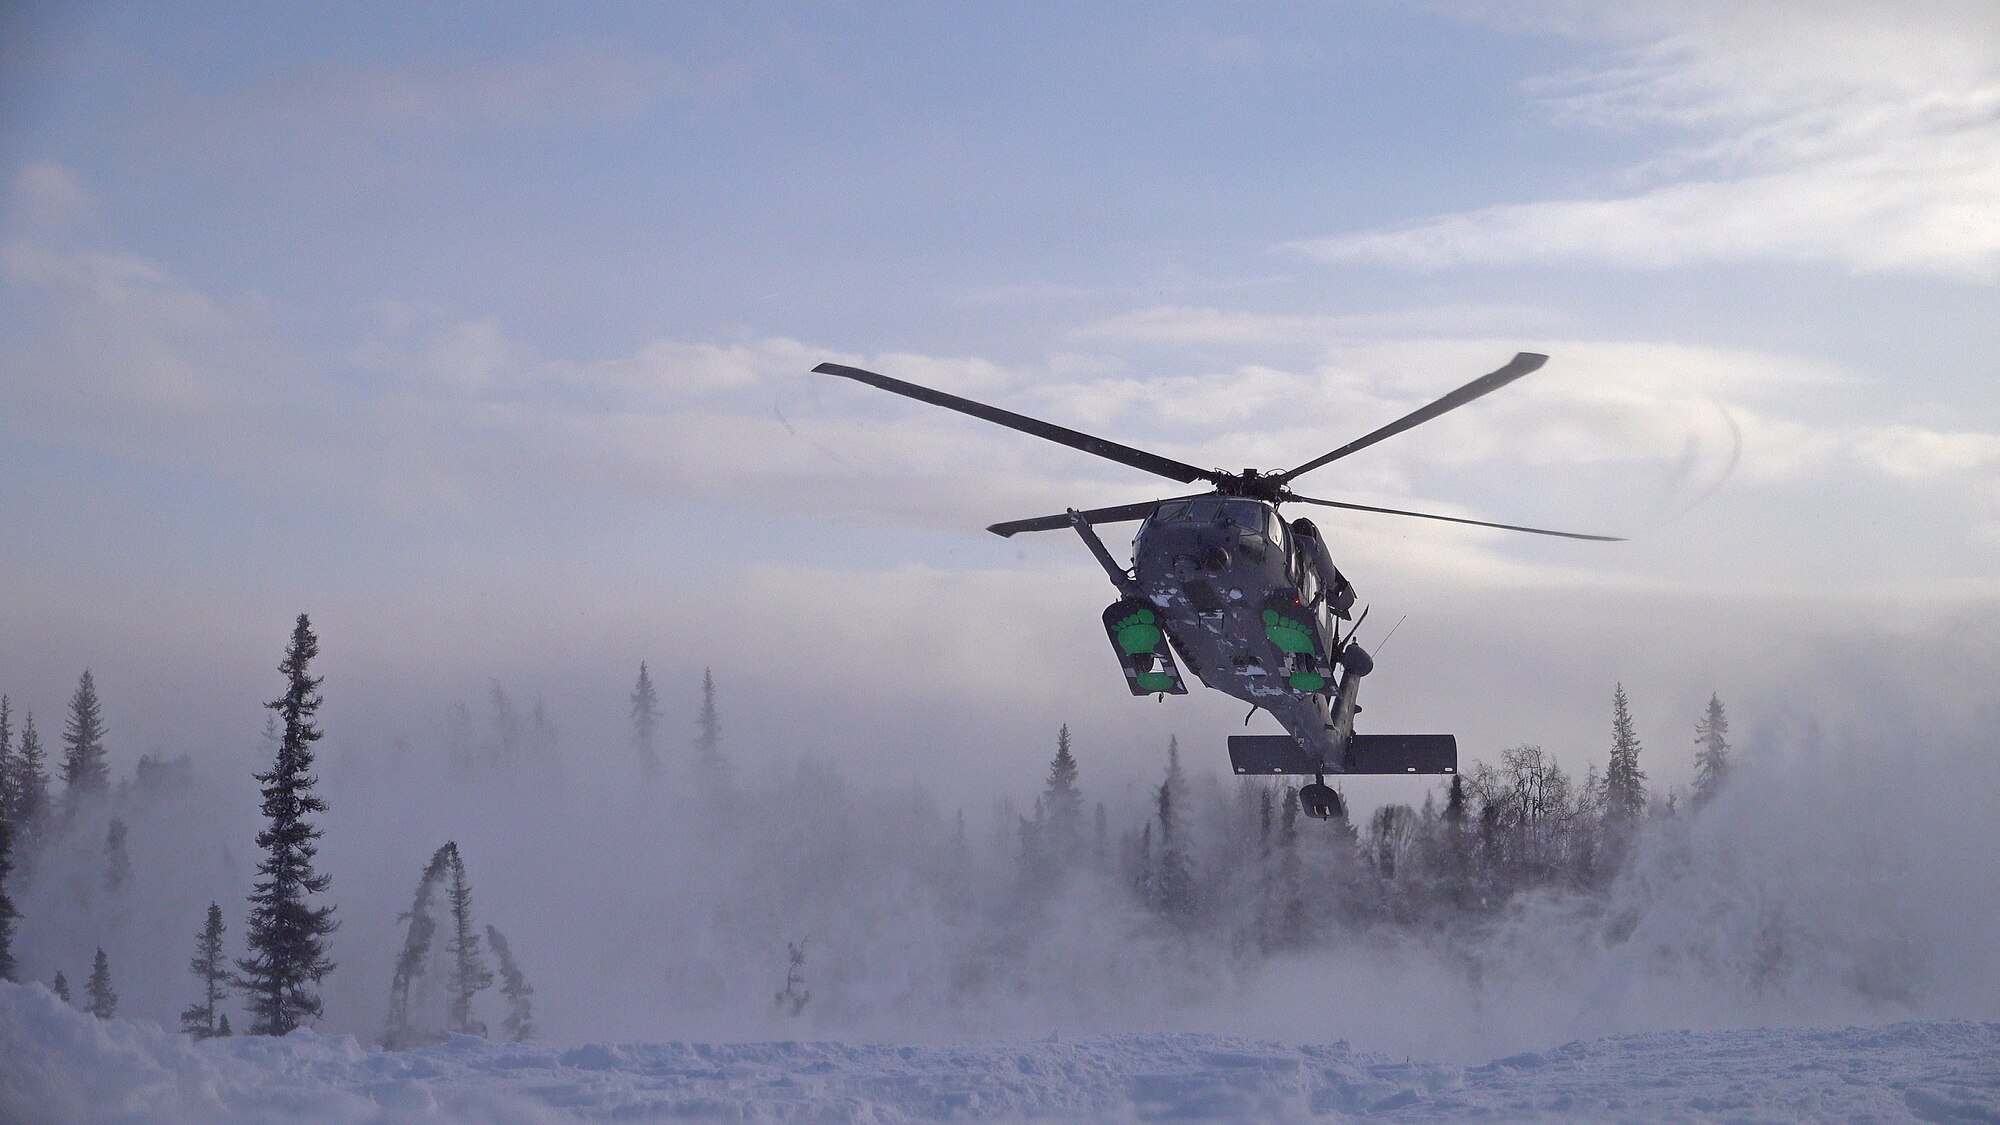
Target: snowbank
(60, 1065)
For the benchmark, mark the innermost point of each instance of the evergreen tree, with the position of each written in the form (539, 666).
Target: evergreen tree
(7, 912)
(287, 935)
(708, 736)
(1062, 803)
(1624, 782)
(84, 771)
(211, 967)
(60, 986)
(1174, 888)
(222, 1026)
(117, 860)
(520, 1022)
(8, 768)
(1711, 762)
(29, 792)
(103, 1001)
(469, 973)
(645, 721)
(416, 950)
(791, 1000)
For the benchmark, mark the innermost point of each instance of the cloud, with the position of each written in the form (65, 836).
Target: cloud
(1857, 135)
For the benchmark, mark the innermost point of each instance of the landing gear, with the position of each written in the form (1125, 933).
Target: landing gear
(1319, 801)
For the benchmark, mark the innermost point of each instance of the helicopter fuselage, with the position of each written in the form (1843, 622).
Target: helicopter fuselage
(1252, 603)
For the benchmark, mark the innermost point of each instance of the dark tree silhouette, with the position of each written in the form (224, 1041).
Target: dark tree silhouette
(103, 1001)
(417, 939)
(117, 859)
(1624, 782)
(84, 771)
(211, 967)
(287, 934)
(60, 986)
(708, 736)
(469, 973)
(1711, 762)
(7, 912)
(28, 791)
(645, 722)
(520, 1022)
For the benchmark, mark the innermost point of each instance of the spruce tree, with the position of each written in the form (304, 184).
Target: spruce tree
(417, 938)
(7, 912)
(791, 1000)
(8, 768)
(287, 935)
(1063, 803)
(222, 1026)
(211, 968)
(469, 973)
(708, 736)
(84, 771)
(117, 860)
(1711, 762)
(103, 1001)
(29, 792)
(1174, 888)
(1624, 782)
(645, 721)
(520, 1022)
(60, 986)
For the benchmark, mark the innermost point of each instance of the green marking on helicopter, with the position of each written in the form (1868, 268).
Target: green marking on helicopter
(1155, 681)
(1139, 633)
(1307, 681)
(1287, 634)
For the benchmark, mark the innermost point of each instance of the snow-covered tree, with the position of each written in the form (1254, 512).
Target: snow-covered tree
(520, 1022)
(469, 973)
(84, 771)
(645, 723)
(287, 934)
(1711, 761)
(211, 967)
(103, 1001)
(421, 928)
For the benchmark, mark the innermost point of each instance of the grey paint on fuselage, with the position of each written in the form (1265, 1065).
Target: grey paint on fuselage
(1212, 566)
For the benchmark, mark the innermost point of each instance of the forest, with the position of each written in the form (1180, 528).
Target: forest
(670, 896)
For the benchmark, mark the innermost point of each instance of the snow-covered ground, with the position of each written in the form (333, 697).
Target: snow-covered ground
(59, 1065)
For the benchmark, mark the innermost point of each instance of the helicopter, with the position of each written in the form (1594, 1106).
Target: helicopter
(1251, 601)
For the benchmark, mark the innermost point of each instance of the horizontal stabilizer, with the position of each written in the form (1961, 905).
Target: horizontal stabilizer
(1270, 754)
(1402, 753)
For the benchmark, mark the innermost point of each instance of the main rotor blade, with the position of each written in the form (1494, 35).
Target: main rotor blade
(1123, 454)
(1520, 365)
(1455, 519)
(1123, 513)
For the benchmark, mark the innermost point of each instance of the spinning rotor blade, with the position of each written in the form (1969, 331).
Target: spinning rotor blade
(1123, 513)
(1455, 519)
(1123, 454)
(1520, 365)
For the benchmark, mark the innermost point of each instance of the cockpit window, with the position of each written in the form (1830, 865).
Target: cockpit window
(1173, 513)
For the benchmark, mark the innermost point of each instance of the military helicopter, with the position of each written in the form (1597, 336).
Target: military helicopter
(1250, 600)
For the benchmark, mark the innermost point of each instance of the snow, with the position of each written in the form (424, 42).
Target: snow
(60, 1065)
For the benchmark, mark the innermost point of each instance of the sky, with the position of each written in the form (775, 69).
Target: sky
(484, 336)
